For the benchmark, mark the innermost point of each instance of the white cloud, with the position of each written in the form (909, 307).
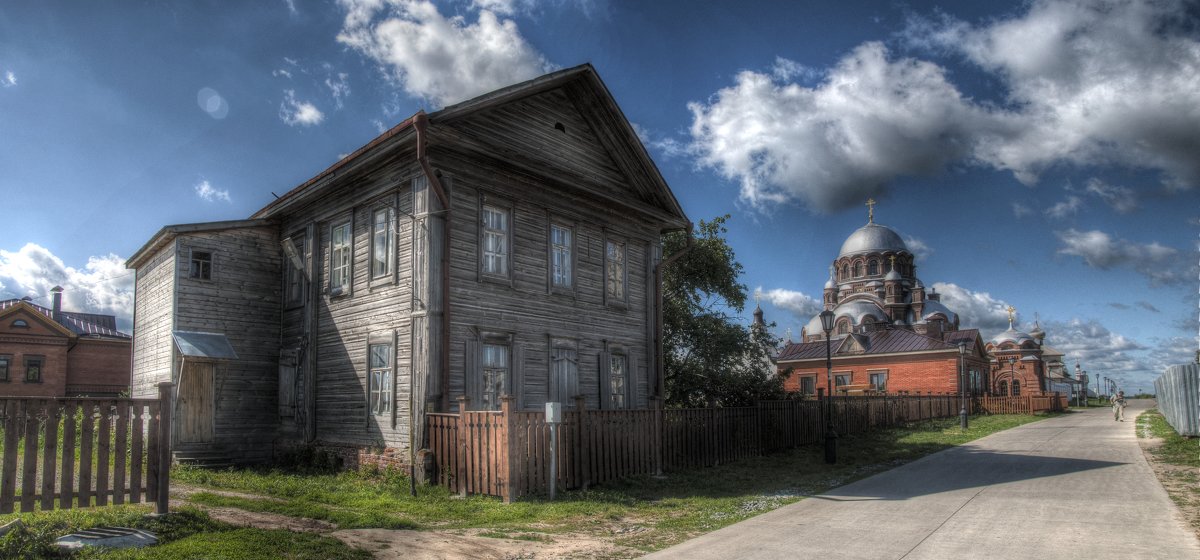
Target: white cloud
(1065, 208)
(1021, 210)
(976, 310)
(281, 72)
(1097, 348)
(1095, 82)
(802, 306)
(919, 248)
(205, 191)
(8, 79)
(1084, 82)
(291, 6)
(1102, 251)
(444, 60)
(339, 87)
(1120, 199)
(837, 143)
(294, 112)
(103, 285)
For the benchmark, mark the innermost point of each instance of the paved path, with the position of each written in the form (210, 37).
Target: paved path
(1075, 486)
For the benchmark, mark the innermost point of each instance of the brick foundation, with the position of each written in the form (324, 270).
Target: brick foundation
(349, 457)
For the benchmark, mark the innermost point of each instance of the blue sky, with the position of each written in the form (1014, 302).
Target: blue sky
(1043, 155)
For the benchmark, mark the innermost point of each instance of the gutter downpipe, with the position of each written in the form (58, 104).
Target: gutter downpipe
(420, 122)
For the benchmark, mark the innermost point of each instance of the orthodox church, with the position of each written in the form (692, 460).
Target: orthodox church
(892, 335)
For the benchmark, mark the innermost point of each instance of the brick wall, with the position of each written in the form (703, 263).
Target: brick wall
(99, 362)
(54, 368)
(937, 373)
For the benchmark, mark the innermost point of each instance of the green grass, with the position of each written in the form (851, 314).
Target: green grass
(1176, 449)
(644, 512)
(186, 533)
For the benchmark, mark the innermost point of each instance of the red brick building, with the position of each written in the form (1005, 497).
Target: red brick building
(55, 353)
(888, 360)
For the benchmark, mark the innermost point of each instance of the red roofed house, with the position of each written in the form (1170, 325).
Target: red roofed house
(55, 353)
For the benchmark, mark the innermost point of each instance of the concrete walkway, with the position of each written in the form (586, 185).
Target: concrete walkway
(1076, 486)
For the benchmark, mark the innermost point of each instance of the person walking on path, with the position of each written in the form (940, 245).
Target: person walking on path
(1118, 405)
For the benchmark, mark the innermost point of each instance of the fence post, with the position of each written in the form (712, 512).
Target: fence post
(463, 451)
(165, 407)
(506, 461)
(584, 441)
(657, 404)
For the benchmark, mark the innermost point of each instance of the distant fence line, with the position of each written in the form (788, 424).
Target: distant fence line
(507, 453)
(1178, 394)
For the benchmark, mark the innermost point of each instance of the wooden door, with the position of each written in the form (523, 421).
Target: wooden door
(196, 403)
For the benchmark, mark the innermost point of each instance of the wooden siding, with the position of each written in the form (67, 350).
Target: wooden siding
(528, 308)
(153, 320)
(241, 301)
(338, 333)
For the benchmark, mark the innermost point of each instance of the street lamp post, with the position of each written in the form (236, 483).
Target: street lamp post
(962, 384)
(830, 435)
(1012, 373)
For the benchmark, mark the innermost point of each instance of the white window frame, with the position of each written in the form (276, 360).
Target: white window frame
(849, 375)
(812, 378)
(341, 275)
(561, 258)
(380, 378)
(618, 395)
(388, 238)
(495, 264)
(616, 272)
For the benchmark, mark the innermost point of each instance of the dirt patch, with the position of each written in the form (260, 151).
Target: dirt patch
(388, 544)
(441, 544)
(1179, 482)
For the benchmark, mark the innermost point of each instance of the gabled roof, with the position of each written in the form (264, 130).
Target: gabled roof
(886, 341)
(77, 324)
(167, 233)
(583, 82)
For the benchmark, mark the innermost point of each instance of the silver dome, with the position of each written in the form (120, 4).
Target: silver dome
(1011, 335)
(856, 310)
(933, 307)
(872, 238)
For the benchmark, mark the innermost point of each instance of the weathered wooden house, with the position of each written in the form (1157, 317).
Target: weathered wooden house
(508, 244)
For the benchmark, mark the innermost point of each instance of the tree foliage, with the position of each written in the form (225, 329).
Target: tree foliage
(711, 358)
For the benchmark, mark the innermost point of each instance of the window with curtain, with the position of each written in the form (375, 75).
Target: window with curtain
(879, 380)
(495, 240)
(382, 237)
(340, 242)
(494, 373)
(380, 394)
(841, 379)
(614, 266)
(561, 243)
(808, 385)
(618, 378)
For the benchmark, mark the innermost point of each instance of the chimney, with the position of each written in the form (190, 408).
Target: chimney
(57, 310)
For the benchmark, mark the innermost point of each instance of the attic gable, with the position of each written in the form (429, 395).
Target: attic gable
(37, 323)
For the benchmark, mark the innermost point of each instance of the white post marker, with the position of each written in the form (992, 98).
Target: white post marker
(554, 418)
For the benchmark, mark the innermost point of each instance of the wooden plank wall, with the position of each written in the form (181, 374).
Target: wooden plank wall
(507, 453)
(69, 453)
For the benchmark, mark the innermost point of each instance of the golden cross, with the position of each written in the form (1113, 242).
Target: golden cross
(1012, 314)
(893, 262)
(871, 210)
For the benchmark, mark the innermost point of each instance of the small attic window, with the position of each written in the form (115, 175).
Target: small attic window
(20, 324)
(560, 127)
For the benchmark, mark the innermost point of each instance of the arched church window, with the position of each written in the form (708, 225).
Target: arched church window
(873, 267)
(845, 272)
(858, 269)
(1003, 387)
(843, 327)
(1016, 388)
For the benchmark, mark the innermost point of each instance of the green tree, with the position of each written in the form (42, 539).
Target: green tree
(709, 357)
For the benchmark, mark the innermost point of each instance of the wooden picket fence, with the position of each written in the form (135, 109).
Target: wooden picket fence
(84, 452)
(506, 453)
